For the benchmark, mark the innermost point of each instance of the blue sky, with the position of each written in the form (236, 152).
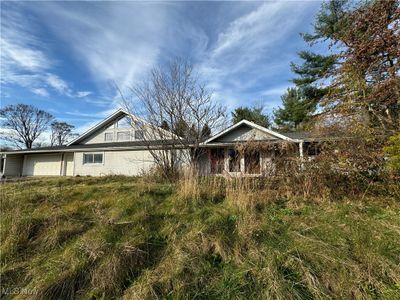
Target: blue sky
(64, 57)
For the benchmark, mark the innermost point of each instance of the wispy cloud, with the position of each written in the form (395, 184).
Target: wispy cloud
(24, 60)
(83, 94)
(80, 50)
(114, 42)
(41, 92)
(249, 54)
(276, 90)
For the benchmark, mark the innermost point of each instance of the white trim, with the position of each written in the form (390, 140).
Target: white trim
(97, 126)
(111, 117)
(253, 125)
(93, 163)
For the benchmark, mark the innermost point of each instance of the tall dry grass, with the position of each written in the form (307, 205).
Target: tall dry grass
(327, 228)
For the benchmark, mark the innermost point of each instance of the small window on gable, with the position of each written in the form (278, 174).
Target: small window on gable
(108, 136)
(139, 135)
(92, 158)
(123, 136)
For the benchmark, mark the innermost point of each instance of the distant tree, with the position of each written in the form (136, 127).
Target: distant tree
(205, 132)
(24, 124)
(61, 133)
(254, 114)
(164, 125)
(296, 110)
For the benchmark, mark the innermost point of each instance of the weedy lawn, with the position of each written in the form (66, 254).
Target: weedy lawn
(117, 237)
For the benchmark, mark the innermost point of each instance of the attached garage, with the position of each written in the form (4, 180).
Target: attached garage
(42, 165)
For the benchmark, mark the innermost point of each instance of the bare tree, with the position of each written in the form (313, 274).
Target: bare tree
(61, 133)
(177, 111)
(23, 124)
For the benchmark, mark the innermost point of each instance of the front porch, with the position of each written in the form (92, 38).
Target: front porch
(244, 160)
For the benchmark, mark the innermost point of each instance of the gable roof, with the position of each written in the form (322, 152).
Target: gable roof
(115, 116)
(252, 125)
(120, 112)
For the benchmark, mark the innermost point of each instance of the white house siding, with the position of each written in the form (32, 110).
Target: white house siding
(113, 129)
(42, 165)
(68, 164)
(99, 137)
(13, 165)
(115, 163)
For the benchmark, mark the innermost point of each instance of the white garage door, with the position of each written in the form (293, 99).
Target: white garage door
(42, 165)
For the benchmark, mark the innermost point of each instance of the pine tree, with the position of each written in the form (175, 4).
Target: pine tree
(296, 110)
(315, 68)
(254, 115)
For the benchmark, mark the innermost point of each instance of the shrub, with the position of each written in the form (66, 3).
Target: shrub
(393, 151)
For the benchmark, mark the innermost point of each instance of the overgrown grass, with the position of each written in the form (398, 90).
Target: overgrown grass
(117, 237)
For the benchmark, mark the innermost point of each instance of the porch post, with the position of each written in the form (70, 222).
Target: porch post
(301, 155)
(242, 165)
(226, 160)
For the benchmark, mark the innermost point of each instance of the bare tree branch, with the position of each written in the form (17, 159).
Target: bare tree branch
(25, 123)
(175, 107)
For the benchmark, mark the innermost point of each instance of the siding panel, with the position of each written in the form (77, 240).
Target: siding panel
(131, 163)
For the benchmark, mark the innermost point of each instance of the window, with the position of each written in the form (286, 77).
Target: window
(234, 160)
(252, 163)
(108, 136)
(123, 136)
(92, 158)
(139, 135)
(217, 161)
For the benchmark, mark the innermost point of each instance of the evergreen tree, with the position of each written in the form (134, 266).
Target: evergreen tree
(296, 110)
(315, 68)
(254, 115)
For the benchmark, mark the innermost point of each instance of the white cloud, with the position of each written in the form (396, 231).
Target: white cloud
(245, 54)
(275, 91)
(239, 50)
(57, 84)
(24, 60)
(115, 42)
(82, 94)
(14, 53)
(41, 92)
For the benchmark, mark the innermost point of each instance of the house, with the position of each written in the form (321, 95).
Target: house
(115, 147)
